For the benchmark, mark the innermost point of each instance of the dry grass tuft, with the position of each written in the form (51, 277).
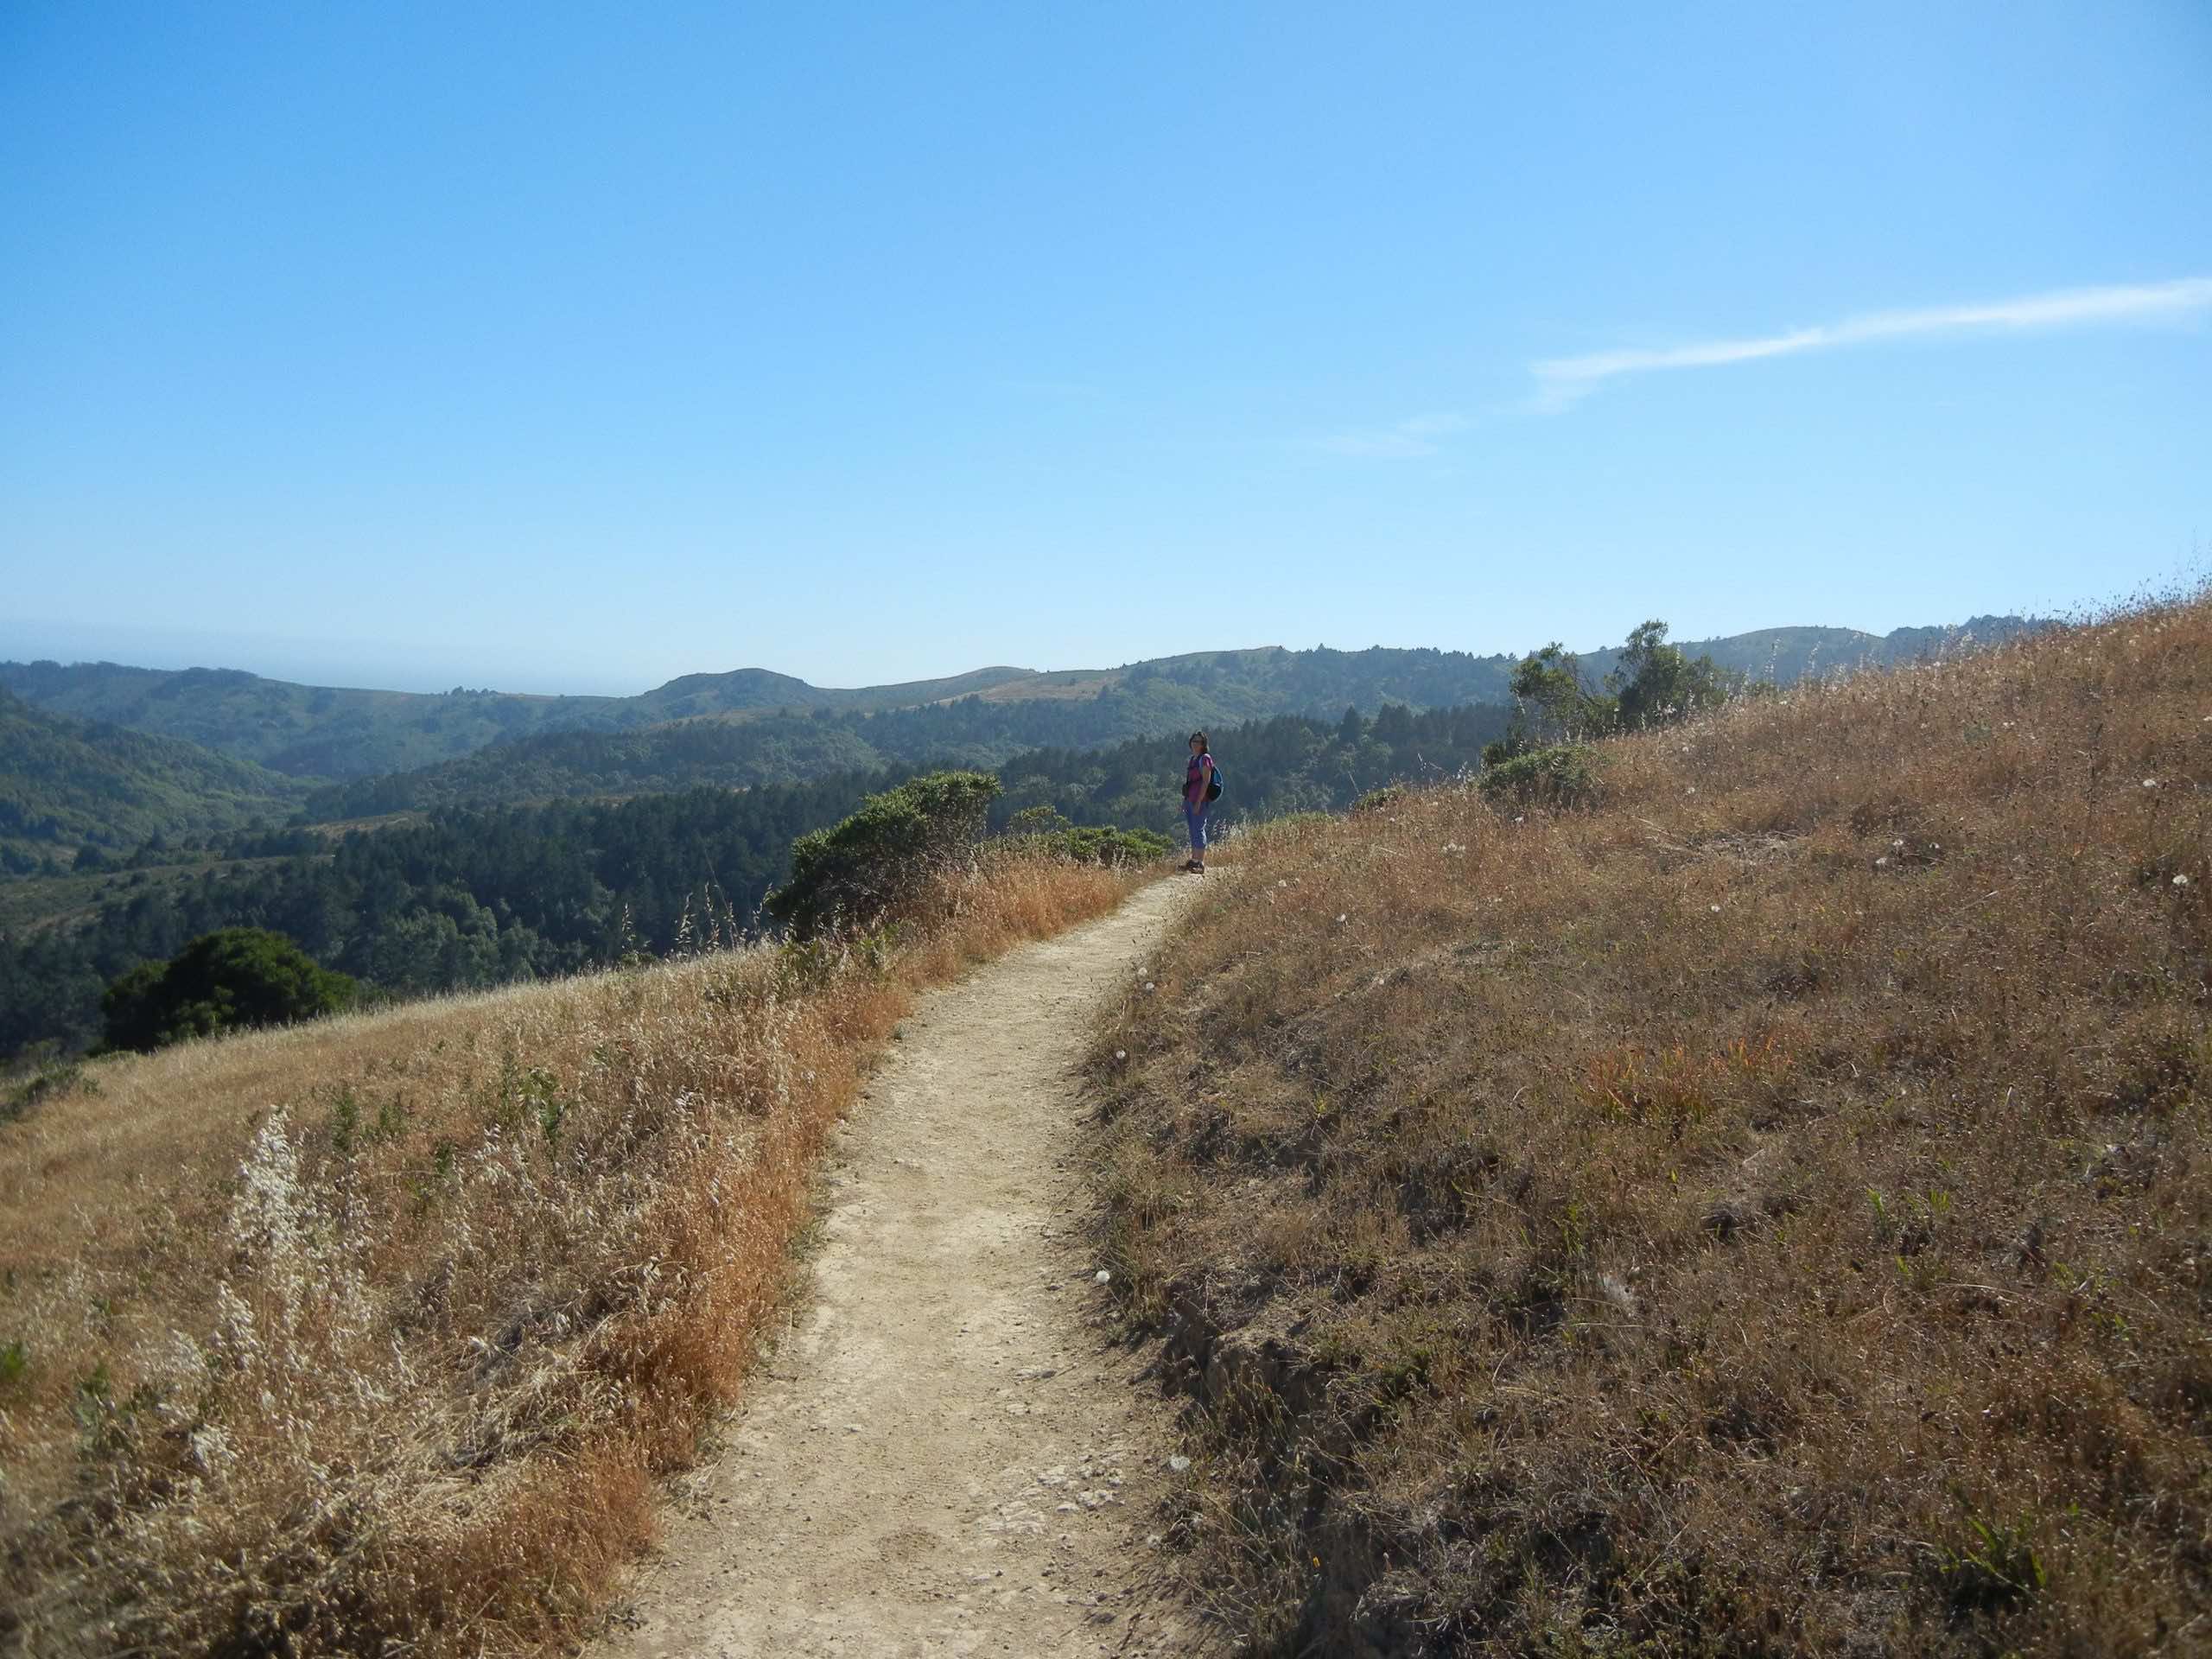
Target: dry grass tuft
(1766, 1213)
(369, 1336)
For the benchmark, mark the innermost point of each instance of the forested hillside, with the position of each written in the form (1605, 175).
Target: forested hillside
(68, 783)
(472, 898)
(1271, 767)
(972, 731)
(479, 896)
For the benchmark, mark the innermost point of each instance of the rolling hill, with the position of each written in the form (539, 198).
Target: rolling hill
(334, 735)
(68, 783)
(328, 731)
(1752, 1203)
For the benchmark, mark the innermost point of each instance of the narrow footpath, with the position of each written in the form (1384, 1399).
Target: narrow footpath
(946, 1455)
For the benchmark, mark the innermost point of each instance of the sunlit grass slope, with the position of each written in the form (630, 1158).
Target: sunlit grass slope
(368, 1336)
(1770, 1212)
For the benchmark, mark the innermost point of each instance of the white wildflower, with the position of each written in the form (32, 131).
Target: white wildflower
(1341, 919)
(1716, 910)
(1121, 1053)
(2150, 782)
(2181, 880)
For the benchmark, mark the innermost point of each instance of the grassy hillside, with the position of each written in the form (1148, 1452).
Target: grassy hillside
(369, 1336)
(1763, 1212)
(327, 733)
(66, 783)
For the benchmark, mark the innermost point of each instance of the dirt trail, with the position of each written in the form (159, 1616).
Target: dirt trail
(946, 1455)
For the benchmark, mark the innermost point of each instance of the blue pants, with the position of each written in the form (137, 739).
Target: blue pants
(1196, 818)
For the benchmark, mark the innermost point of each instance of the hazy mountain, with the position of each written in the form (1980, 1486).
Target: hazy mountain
(1788, 654)
(328, 733)
(66, 783)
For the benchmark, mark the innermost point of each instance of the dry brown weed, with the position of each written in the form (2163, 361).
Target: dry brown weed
(1766, 1213)
(370, 1335)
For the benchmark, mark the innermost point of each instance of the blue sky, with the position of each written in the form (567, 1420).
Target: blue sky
(573, 348)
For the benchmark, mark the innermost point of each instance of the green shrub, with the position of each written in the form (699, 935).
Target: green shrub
(1040, 831)
(1105, 844)
(1375, 800)
(34, 1077)
(854, 872)
(1557, 776)
(239, 976)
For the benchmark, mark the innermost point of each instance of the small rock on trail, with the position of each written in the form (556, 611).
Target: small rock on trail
(946, 1456)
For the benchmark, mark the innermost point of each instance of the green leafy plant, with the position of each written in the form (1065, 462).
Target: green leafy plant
(855, 872)
(1996, 1570)
(238, 976)
(1557, 776)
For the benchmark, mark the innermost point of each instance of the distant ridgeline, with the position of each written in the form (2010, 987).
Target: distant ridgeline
(328, 734)
(477, 896)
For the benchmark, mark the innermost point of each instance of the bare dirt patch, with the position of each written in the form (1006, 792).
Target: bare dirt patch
(946, 1455)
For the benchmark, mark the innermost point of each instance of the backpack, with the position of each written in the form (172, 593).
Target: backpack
(1213, 783)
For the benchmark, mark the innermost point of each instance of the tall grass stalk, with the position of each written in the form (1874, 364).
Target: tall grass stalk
(1763, 1210)
(373, 1335)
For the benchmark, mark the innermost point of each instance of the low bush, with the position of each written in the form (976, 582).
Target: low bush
(34, 1077)
(870, 865)
(1557, 776)
(1041, 829)
(235, 978)
(1108, 845)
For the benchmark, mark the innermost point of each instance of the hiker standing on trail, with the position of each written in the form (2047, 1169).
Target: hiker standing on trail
(1198, 788)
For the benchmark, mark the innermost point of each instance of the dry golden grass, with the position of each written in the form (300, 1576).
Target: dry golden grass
(1771, 1212)
(369, 1336)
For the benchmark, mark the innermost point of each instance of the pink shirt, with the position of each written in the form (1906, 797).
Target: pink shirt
(1195, 780)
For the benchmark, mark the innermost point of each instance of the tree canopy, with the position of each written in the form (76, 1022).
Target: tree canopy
(233, 978)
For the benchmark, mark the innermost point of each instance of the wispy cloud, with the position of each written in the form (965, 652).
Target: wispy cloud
(1562, 381)
(1406, 440)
